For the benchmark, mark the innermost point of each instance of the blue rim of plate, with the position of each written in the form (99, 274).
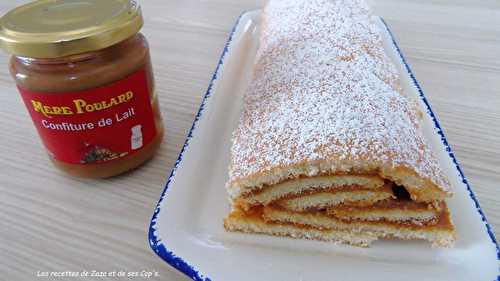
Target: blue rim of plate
(183, 266)
(154, 241)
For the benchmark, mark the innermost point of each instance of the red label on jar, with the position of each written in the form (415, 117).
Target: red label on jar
(97, 125)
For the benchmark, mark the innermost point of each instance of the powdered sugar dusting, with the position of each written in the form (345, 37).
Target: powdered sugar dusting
(323, 89)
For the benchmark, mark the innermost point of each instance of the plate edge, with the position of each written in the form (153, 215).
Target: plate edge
(190, 271)
(159, 248)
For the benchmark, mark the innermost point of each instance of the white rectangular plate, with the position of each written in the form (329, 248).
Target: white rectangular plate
(186, 229)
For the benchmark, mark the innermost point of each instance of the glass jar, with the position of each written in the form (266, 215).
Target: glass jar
(85, 75)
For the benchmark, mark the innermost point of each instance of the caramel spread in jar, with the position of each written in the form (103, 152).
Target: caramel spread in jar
(87, 82)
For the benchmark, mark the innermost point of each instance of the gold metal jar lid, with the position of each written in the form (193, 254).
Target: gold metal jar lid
(58, 28)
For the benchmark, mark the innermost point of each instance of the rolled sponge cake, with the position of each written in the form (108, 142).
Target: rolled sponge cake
(327, 139)
(324, 99)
